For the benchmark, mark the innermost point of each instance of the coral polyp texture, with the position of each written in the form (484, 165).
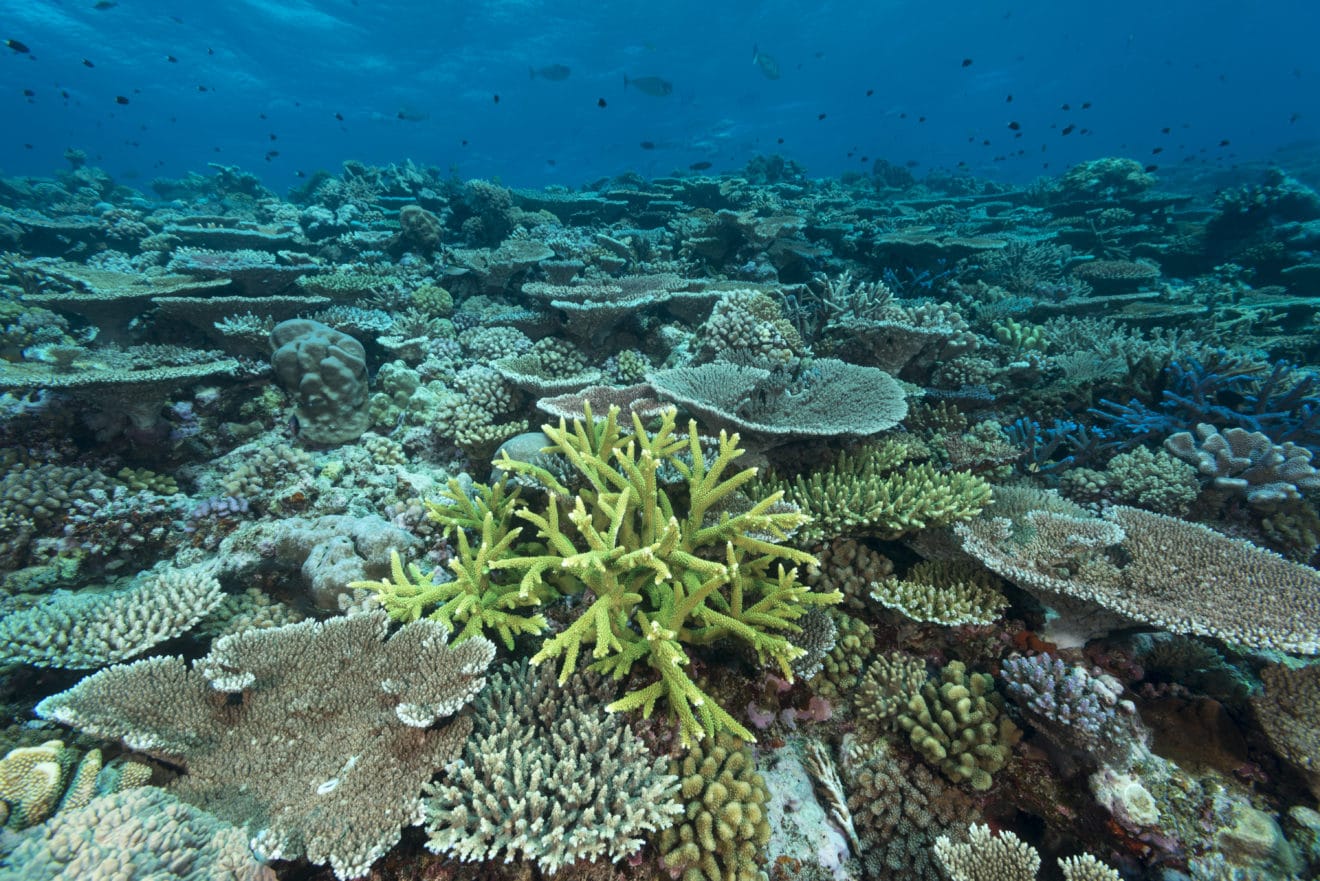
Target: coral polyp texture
(549, 776)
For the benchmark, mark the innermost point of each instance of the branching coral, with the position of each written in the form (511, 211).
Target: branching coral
(878, 491)
(664, 565)
(547, 775)
(664, 571)
(478, 598)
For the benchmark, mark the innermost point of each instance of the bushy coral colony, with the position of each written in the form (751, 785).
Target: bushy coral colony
(704, 528)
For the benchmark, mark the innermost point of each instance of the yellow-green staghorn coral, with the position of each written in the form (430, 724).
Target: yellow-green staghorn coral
(879, 491)
(479, 598)
(666, 568)
(664, 564)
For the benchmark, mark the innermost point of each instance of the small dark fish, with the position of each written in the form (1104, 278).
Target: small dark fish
(985, 143)
(1086, 105)
(700, 166)
(1068, 129)
(912, 163)
(339, 116)
(921, 119)
(1008, 100)
(120, 99)
(779, 141)
(210, 51)
(203, 89)
(1157, 151)
(28, 93)
(650, 85)
(271, 154)
(769, 67)
(1225, 142)
(1152, 168)
(1294, 118)
(967, 62)
(64, 93)
(465, 142)
(20, 48)
(27, 146)
(1066, 107)
(1165, 130)
(600, 102)
(171, 59)
(87, 63)
(261, 115)
(103, 5)
(301, 173)
(903, 115)
(1015, 126)
(497, 99)
(648, 145)
(410, 115)
(819, 116)
(272, 137)
(870, 92)
(962, 163)
(556, 73)
(176, 19)
(549, 162)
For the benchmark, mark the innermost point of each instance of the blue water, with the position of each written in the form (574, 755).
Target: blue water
(275, 75)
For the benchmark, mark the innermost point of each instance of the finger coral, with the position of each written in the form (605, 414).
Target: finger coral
(725, 828)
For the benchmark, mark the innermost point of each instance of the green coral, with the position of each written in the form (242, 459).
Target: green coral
(946, 593)
(842, 668)
(666, 568)
(958, 726)
(1021, 336)
(478, 598)
(878, 491)
(433, 300)
(725, 829)
(146, 480)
